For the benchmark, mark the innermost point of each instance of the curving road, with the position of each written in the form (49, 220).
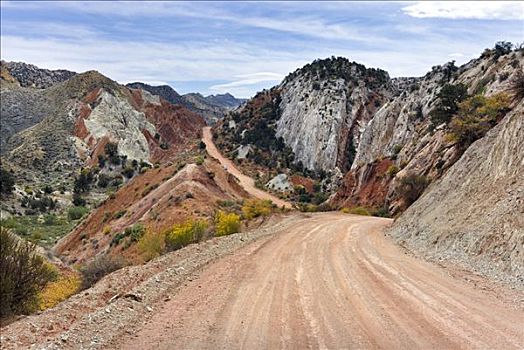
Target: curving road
(329, 281)
(245, 181)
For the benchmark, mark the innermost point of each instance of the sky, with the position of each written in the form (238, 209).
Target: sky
(244, 47)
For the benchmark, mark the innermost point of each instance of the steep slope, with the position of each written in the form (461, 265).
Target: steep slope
(475, 213)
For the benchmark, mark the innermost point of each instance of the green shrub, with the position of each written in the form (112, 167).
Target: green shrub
(97, 268)
(23, 274)
(359, 211)
(183, 234)
(476, 116)
(135, 232)
(199, 160)
(103, 180)
(382, 212)
(449, 98)
(78, 200)
(7, 181)
(148, 189)
(50, 219)
(119, 214)
(392, 170)
(411, 187)
(76, 213)
(397, 149)
(226, 223)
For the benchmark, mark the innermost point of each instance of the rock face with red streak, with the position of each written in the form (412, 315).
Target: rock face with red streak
(175, 125)
(80, 116)
(366, 186)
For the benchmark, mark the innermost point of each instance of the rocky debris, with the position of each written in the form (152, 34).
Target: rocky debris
(279, 183)
(89, 321)
(473, 215)
(29, 75)
(243, 151)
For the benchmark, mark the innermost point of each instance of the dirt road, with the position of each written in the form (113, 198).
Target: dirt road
(331, 281)
(245, 181)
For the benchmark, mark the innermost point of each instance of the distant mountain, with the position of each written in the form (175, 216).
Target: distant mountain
(165, 91)
(212, 107)
(226, 100)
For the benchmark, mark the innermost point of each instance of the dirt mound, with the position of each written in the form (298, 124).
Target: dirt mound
(158, 199)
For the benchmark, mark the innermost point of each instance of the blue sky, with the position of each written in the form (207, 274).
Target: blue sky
(243, 47)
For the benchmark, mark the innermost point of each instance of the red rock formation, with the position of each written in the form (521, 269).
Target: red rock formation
(367, 186)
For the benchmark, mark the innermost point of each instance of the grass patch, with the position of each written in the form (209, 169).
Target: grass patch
(44, 232)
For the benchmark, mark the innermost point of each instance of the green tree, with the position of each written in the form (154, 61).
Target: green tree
(449, 98)
(7, 181)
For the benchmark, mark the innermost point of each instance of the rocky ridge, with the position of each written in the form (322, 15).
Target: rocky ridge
(28, 75)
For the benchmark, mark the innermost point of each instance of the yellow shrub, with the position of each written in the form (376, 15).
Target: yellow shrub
(253, 208)
(107, 230)
(359, 211)
(345, 210)
(188, 232)
(226, 223)
(151, 245)
(65, 286)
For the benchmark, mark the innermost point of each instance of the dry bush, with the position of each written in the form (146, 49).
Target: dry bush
(151, 245)
(99, 267)
(23, 274)
(253, 208)
(359, 211)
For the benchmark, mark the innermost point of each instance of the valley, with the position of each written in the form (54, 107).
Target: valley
(341, 208)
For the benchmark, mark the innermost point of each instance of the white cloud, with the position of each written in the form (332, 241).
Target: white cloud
(246, 83)
(248, 79)
(501, 10)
